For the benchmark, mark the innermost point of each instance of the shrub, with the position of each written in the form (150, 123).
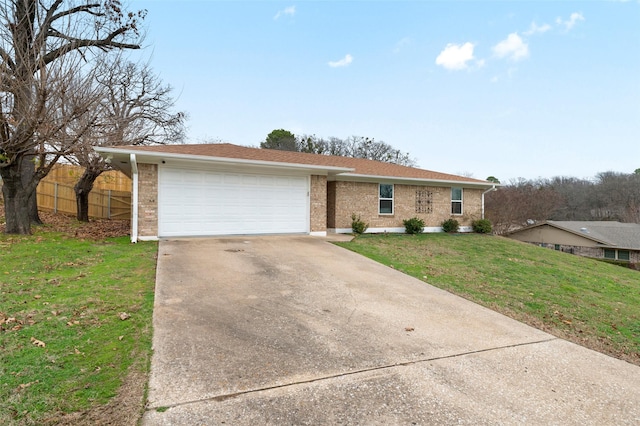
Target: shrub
(413, 225)
(481, 226)
(357, 225)
(450, 225)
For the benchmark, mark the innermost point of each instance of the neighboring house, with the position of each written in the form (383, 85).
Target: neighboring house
(603, 239)
(225, 189)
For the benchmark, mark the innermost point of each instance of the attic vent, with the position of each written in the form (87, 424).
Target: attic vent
(585, 230)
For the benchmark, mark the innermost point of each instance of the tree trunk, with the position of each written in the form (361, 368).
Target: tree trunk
(16, 200)
(28, 171)
(82, 189)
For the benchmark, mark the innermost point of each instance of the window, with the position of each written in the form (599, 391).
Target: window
(617, 254)
(556, 246)
(385, 202)
(456, 200)
(424, 201)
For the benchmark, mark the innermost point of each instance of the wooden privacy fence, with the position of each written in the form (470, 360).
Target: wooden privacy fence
(68, 174)
(103, 203)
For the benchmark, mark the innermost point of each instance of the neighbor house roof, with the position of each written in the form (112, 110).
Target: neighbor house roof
(342, 166)
(606, 233)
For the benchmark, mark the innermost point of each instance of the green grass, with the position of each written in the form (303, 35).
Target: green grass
(69, 294)
(592, 303)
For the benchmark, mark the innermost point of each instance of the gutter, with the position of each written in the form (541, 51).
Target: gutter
(134, 198)
(158, 156)
(408, 180)
(493, 188)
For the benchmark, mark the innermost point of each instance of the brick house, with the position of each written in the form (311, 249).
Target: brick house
(225, 189)
(598, 239)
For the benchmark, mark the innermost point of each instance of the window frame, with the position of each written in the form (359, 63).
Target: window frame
(456, 201)
(627, 255)
(607, 253)
(381, 199)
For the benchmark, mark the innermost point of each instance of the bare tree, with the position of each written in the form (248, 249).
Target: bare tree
(40, 41)
(619, 195)
(135, 109)
(354, 146)
(520, 202)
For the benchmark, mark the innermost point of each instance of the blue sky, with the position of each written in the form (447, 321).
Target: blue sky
(503, 88)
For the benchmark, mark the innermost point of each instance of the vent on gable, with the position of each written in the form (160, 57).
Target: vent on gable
(584, 230)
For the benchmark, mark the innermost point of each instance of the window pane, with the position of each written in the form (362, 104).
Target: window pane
(386, 206)
(456, 207)
(623, 255)
(456, 194)
(609, 254)
(386, 191)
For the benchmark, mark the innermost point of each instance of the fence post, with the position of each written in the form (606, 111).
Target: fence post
(109, 205)
(55, 197)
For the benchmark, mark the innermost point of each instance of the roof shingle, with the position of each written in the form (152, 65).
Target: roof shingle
(615, 234)
(361, 166)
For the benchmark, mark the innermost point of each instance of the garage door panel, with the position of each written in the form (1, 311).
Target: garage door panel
(201, 202)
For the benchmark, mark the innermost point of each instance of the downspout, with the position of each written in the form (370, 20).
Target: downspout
(134, 198)
(493, 188)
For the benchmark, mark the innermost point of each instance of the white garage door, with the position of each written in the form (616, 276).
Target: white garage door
(200, 202)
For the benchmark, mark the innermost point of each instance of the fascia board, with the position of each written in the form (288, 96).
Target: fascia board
(611, 246)
(353, 177)
(157, 157)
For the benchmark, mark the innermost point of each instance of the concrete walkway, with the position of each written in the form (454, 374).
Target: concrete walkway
(296, 331)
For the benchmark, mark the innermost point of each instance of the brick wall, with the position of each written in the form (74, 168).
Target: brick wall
(346, 198)
(594, 252)
(318, 203)
(148, 200)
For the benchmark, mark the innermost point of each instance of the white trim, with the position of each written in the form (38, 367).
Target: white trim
(308, 213)
(318, 233)
(159, 156)
(426, 230)
(485, 192)
(461, 201)
(341, 173)
(353, 177)
(393, 200)
(134, 198)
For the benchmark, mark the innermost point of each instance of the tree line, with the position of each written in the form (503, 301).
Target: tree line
(66, 86)
(353, 146)
(609, 196)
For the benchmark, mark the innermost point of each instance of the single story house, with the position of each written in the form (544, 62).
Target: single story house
(599, 239)
(225, 189)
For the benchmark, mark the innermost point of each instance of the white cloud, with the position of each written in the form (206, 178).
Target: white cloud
(537, 29)
(513, 47)
(287, 11)
(455, 56)
(571, 22)
(342, 62)
(401, 44)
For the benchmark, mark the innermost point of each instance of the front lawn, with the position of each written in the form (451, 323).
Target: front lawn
(75, 328)
(589, 302)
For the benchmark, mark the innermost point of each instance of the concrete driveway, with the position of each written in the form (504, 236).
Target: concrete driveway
(294, 330)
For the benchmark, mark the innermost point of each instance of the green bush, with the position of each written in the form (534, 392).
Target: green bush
(413, 225)
(358, 226)
(450, 225)
(481, 226)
